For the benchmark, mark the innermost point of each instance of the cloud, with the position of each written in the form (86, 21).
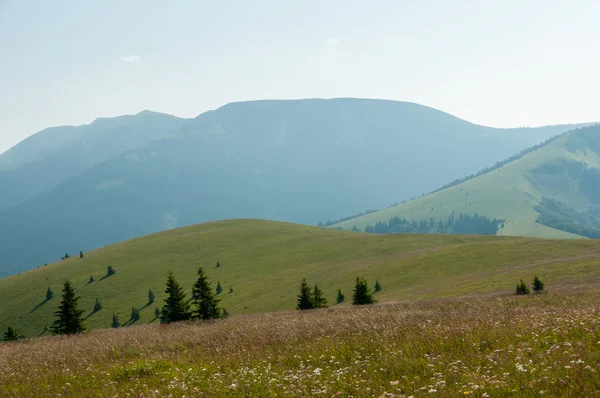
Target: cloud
(333, 42)
(130, 59)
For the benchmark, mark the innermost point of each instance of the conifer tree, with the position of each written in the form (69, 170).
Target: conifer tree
(305, 298)
(377, 286)
(538, 285)
(176, 307)
(10, 335)
(110, 270)
(522, 288)
(91, 279)
(319, 301)
(206, 305)
(219, 289)
(151, 297)
(80, 254)
(97, 306)
(67, 256)
(69, 316)
(218, 265)
(340, 297)
(362, 295)
(115, 321)
(156, 312)
(230, 290)
(135, 315)
(49, 294)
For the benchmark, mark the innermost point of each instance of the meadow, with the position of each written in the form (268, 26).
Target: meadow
(492, 345)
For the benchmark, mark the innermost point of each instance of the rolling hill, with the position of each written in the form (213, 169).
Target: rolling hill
(264, 262)
(300, 161)
(52, 156)
(552, 191)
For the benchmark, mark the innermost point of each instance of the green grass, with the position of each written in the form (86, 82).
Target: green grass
(507, 193)
(265, 261)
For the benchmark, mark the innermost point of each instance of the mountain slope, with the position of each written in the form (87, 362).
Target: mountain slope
(565, 171)
(264, 263)
(300, 161)
(57, 154)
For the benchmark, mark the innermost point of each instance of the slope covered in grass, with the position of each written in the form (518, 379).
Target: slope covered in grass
(566, 171)
(264, 262)
(489, 346)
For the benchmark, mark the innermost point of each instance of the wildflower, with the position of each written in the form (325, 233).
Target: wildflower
(394, 382)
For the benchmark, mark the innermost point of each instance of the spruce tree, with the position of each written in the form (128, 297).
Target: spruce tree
(156, 313)
(522, 288)
(49, 294)
(151, 297)
(319, 301)
(110, 270)
(135, 315)
(218, 265)
(91, 279)
(206, 305)
(362, 295)
(340, 297)
(176, 307)
(69, 316)
(219, 289)
(10, 335)
(115, 321)
(97, 306)
(67, 256)
(377, 286)
(230, 290)
(538, 285)
(80, 254)
(305, 298)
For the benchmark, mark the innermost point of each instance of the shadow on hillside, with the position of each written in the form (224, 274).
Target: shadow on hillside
(38, 306)
(43, 331)
(146, 306)
(105, 276)
(153, 319)
(90, 314)
(130, 322)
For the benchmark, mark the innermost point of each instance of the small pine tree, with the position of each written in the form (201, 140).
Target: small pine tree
(205, 302)
(538, 285)
(49, 294)
(218, 265)
(115, 321)
(67, 256)
(305, 298)
(319, 301)
(97, 306)
(340, 297)
(362, 295)
(156, 313)
(80, 254)
(10, 335)
(224, 313)
(91, 279)
(151, 297)
(230, 290)
(69, 316)
(219, 289)
(110, 270)
(176, 307)
(135, 315)
(522, 288)
(377, 286)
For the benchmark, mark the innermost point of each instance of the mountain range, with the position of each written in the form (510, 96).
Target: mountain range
(79, 188)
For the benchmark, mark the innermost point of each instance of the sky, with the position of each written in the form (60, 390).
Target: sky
(502, 63)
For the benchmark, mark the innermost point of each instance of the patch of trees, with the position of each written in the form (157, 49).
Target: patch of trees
(557, 215)
(461, 224)
(537, 286)
(330, 222)
(313, 298)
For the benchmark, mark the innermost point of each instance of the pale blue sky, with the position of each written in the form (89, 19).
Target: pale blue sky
(498, 63)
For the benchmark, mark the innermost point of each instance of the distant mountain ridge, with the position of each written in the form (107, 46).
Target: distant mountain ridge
(296, 160)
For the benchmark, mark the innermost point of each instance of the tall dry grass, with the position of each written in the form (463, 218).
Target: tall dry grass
(473, 346)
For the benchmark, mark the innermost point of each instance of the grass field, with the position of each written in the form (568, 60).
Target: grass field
(508, 193)
(481, 346)
(264, 262)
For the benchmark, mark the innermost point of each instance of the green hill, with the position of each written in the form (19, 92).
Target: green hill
(264, 262)
(279, 160)
(550, 192)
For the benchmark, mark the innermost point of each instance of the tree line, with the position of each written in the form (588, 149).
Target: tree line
(314, 298)
(461, 224)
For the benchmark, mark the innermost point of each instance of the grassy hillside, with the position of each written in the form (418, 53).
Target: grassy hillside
(488, 346)
(556, 171)
(265, 261)
(277, 160)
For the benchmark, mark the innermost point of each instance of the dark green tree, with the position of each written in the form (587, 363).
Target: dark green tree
(218, 265)
(538, 285)
(115, 321)
(69, 318)
(522, 288)
(10, 335)
(49, 294)
(80, 254)
(97, 306)
(377, 286)
(110, 270)
(91, 279)
(135, 315)
(176, 307)
(362, 295)
(151, 297)
(305, 298)
(319, 301)
(340, 297)
(67, 256)
(230, 290)
(206, 304)
(219, 289)
(156, 312)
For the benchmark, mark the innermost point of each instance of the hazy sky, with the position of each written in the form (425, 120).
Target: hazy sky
(496, 62)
